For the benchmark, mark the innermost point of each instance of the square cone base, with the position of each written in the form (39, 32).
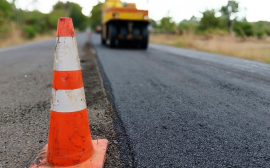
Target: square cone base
(96, 161)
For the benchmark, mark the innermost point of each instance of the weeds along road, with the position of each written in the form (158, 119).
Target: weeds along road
(184, 108)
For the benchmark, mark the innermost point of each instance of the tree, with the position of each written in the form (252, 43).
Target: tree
(5, 8)
(59, 6)
(5, 14)
(5, 11)
(68, 9)
(96, 15)
(78, 18)
(244, 28)
(209, 21)
(188, 25)
(60, 9)
(153, 23)
(167, 24)
(229, 14)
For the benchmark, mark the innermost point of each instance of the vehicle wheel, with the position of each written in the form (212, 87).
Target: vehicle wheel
(112, 35)
(103, 42)
(145, 34)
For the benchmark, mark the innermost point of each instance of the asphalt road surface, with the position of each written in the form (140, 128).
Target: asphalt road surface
(25, 92)
(175, 107)
(185, 108)
(25, 84)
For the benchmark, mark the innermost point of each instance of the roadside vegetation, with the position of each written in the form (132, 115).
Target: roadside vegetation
(218, 31)
(17, 25)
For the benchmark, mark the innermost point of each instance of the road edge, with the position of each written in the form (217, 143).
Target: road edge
(126, 151)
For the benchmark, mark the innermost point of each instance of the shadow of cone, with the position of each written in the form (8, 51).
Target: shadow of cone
(69, 144)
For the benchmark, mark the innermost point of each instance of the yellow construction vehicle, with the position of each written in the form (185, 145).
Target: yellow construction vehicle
(123, 23)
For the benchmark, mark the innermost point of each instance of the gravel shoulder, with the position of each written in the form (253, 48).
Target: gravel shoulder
(99, 108)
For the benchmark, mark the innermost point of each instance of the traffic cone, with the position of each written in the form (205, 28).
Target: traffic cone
(70, 143)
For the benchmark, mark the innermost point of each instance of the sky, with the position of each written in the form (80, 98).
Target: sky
(254, 10)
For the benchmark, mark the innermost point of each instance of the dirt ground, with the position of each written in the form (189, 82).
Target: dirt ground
(250, 48)
(25, 110)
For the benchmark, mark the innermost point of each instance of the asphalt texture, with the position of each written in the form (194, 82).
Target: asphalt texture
(25, 89)
(184, 108)
(25, 86)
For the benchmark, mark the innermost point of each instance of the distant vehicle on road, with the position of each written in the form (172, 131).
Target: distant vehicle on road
(123, 23)
(98, 29)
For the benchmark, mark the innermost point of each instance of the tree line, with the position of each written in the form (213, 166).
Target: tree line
(34, 22)
(226, 23)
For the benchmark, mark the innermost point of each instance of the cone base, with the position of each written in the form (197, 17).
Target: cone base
(96, 161)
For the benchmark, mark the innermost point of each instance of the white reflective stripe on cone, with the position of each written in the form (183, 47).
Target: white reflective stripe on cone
(66, 57)
(66, 101)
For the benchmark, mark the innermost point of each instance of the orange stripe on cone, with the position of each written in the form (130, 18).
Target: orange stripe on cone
(66, 80)
(65, 27)
(62, 150)
(69, 144)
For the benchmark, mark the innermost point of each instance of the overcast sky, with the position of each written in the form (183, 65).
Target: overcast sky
(254, 10)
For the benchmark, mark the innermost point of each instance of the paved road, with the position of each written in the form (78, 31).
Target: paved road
(184, 108)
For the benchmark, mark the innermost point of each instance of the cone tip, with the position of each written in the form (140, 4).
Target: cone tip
(65, 27)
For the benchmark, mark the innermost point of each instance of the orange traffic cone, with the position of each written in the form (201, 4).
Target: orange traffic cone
(70, 143)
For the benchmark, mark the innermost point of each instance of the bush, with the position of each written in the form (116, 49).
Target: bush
(267, 31)
(243, 29)
(29, 31)
(187, 26)
(53, 18)
(209, 21)
(167, 24)
(260, 34)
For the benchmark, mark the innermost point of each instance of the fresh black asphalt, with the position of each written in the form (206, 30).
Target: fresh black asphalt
(185, 108)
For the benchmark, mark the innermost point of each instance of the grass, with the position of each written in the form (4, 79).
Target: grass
(251, 48)
(15, 37)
